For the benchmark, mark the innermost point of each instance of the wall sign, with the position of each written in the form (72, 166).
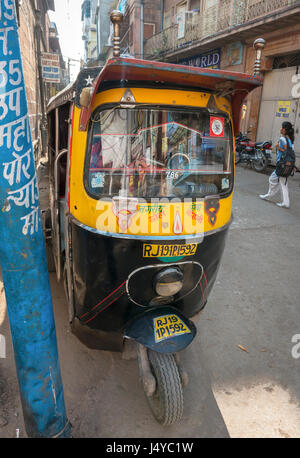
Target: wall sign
(212, 59)
(181, 24)
(283, 109)
(51, 68)
(235, 54)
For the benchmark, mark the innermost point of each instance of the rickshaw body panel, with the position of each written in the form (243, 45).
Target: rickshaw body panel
(88, 210)
(103, 267)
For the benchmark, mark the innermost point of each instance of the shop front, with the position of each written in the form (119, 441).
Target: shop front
(280, 101)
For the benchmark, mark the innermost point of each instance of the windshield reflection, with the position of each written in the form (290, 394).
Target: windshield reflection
(151, 153)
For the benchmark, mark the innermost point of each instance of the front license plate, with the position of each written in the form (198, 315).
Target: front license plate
(168, 326)
(165, 251)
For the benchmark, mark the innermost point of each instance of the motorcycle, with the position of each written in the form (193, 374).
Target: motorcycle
(257, 154)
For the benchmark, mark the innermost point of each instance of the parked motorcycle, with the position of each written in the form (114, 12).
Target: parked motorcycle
(257, 154)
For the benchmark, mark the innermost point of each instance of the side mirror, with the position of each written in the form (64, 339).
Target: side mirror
(85, 97)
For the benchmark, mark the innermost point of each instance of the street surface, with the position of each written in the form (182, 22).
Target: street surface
(244, 381)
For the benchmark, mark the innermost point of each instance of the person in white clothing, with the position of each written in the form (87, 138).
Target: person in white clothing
(277, 183)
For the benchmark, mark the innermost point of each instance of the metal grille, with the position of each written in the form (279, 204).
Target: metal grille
(218, 16)
(291, 60)
(125, 32)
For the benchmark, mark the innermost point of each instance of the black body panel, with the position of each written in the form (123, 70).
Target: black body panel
(102, 265)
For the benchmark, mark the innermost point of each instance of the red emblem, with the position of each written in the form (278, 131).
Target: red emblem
(216, 126)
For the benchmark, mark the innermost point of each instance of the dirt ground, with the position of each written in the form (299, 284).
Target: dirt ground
(244, 381)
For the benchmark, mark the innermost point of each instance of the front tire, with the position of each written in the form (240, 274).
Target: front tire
(167, 401)
(261, 163)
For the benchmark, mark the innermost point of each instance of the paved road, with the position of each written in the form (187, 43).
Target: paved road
(233, 392)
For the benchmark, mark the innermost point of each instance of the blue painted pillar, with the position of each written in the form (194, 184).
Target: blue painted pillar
(22, 249)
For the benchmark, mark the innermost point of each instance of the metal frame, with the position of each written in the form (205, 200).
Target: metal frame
(56, 216)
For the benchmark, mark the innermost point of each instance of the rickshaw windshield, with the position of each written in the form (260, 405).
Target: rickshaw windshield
(149, 152)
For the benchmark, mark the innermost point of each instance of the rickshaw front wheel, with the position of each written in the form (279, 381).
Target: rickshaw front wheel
(167, 401)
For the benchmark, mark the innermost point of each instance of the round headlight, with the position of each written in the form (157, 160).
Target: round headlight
(168, 282)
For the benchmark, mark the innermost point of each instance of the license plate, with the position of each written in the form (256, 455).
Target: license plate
(165, 251)
(168, 326)
(268, 151)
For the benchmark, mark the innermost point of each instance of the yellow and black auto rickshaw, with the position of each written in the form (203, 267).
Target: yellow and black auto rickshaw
(141, 170)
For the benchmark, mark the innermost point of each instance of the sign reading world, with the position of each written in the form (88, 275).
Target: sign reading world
(211, 59)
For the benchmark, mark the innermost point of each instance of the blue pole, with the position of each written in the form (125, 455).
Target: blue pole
(22, 249)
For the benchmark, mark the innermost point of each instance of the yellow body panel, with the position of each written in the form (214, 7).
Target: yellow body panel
(173, 219)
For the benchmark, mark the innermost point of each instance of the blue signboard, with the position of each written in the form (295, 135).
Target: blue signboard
(51, 74)
(212, 59)
(51, 68)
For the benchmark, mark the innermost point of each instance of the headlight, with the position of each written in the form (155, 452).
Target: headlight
(168, 282)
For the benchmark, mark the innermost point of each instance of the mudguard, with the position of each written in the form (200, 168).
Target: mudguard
(162, 329)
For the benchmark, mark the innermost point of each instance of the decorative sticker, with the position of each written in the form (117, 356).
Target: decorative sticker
(216, 127)
(177, 226)
(225, 183)
(124, 209)
(212, 207)
(97, 180)
(168, 326)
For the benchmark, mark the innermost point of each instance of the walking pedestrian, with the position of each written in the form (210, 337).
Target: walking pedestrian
(276, 182)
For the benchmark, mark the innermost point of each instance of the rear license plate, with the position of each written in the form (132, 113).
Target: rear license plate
(269, 151)
(168, 326)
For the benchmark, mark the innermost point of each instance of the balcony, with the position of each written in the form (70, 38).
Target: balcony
(225, 18)
(125, 32)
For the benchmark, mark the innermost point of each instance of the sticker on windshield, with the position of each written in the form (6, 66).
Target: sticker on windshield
(225, 183)
(97, 180)
(216, 127)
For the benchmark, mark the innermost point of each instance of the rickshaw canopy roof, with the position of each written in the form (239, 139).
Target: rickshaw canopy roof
(181, 75)
(238, 85)
(123, 69)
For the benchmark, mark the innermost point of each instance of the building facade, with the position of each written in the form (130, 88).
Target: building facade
(103, 26)
(220, 34)
(142, 20)
(89, 29)
(38, 36)
(96, 27)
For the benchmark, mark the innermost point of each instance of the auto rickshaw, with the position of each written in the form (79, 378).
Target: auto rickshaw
(141, 170)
